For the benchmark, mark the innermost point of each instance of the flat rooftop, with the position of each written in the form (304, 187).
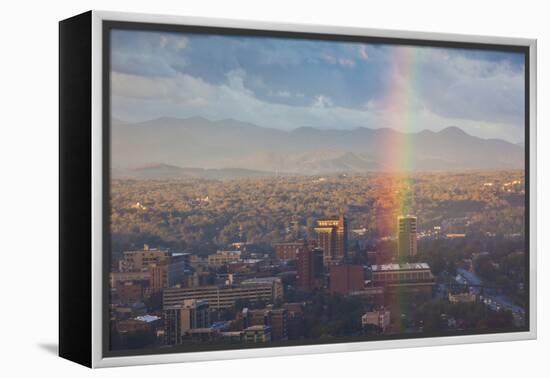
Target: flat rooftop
(261, 280)
(150, 250)
(147, 318)
(404, 266)
(257, 328)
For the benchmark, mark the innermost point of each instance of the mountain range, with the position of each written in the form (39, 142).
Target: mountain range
(197, 147)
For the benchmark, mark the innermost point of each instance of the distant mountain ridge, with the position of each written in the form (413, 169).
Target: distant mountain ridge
(165, 171)
(228, 148)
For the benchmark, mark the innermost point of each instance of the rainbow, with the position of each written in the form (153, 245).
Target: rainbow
(399, 105)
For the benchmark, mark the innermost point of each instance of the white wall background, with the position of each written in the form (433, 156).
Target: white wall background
(28, 190)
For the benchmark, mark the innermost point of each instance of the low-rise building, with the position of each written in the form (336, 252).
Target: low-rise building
(409, 277)
(288, 251)
(462, 298)
(232, 336)
(294, 308)
(201, 335)
(127, 293)
(220, 297)
(116, 278)
(345, 278)
(224, 257)
(175, 271)
(279, 324)
(123, 312)
(274, 282)
(180, 318)
(130, 326)
(140, 260)
(380, 318)
(257, 334)
(277, 319)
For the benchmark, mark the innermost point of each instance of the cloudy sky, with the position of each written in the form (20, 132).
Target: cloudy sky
(291, 83)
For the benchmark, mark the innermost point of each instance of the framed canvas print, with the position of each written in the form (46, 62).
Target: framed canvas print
(233, 189)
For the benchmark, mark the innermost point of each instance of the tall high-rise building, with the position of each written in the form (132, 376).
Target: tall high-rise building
(309, 268)
(332, 238)
(406, 236)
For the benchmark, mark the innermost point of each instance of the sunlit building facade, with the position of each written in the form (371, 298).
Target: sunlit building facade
(407, 236)
(332, 238)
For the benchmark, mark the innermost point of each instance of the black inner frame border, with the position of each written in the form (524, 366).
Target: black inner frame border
(108, 25)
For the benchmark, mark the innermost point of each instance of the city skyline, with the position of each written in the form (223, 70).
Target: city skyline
(234, 306)
(299, 190)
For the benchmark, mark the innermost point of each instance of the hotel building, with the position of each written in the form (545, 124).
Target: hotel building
(332, 238)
